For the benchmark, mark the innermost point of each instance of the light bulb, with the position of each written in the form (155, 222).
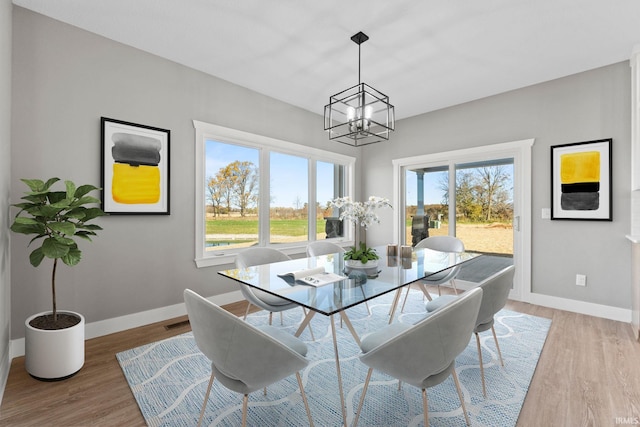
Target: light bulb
(368, 111)
(351, 113)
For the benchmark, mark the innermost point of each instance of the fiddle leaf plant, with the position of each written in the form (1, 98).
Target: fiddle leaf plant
(56, 219)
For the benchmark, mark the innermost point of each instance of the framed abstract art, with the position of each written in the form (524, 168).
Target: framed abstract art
(581, 181)
(135, 168)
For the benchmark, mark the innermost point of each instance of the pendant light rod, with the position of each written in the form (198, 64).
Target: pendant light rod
(358, 39)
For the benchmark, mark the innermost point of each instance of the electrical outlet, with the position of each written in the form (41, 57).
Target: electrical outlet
(581, 280)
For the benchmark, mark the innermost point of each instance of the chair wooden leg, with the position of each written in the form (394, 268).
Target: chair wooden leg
(270, 317)
(246, 313)
(304, 399)
(484, 389)
(425, 407)
(364, 391)
(206, 399)
(464, 408)
(495, 338)
(245, 402)
(453, 283)
(424, 290)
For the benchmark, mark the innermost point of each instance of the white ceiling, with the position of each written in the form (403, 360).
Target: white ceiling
(424, 54)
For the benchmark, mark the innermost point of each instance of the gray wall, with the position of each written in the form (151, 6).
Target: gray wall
(5, 180)
(64, 80)
(587, 106)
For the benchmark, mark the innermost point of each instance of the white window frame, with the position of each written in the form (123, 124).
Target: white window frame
(207, 131)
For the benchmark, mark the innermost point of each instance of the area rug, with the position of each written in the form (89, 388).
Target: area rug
(169, 378)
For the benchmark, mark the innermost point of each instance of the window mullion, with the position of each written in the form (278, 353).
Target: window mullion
(264, 216)
(312, 201)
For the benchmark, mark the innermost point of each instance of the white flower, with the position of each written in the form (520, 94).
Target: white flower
(360, 213)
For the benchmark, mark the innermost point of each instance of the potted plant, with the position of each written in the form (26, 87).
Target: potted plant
(362, 214)
(54, 341)
(363, 257)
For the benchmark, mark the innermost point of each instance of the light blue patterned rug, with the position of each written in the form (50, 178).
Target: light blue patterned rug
(169, 378)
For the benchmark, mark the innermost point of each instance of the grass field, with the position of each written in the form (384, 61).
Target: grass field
(282, 227)
(487, 238)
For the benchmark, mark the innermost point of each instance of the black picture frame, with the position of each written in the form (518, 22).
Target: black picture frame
(135, 168)
(581, 181)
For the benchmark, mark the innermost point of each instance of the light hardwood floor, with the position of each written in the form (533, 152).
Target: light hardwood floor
(588, 375)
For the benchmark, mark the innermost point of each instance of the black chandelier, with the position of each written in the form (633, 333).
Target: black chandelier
(360, 115)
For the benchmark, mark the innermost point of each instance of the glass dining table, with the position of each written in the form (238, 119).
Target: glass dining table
(352, 286)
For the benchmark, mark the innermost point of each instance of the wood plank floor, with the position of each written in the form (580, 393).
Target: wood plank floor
(588, 375)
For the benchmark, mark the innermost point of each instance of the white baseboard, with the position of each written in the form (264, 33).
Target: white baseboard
(122, 323)
(574, 306)
(581, 307)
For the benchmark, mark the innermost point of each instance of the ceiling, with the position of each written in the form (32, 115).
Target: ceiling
(425, 55)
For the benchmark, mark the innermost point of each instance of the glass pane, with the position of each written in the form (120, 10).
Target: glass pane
(289, 198)
(329, 186)
(484, 206)
(231, 196)
(427, 203)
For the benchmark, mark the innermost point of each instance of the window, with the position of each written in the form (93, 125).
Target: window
(258, 191)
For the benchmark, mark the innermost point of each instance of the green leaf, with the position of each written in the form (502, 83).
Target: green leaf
(54, 249)
(28, 228)
(85, 235)
(71, 189)
(34, 184)
(46, 211)
(84, 200)
(84, 189)
(56, 196)
(62, 204)
(76, 213)
(24, 205)
(37, 199)
(63, 227)
(92, 213)
(65, 240)
(36, 257)
(89, 227)
(50, 182)
(73, 257)
(25, 220)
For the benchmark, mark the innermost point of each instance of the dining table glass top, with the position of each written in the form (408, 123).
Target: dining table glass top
(391, 273)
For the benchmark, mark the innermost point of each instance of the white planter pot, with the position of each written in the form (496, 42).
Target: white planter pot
(54, 354)
(354, 263)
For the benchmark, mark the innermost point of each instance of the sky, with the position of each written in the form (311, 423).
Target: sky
(287, 187)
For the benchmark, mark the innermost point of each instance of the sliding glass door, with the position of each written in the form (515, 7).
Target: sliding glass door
(472, 201)
(480, 195)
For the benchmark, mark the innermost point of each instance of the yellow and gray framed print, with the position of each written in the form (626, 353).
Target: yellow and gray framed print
(581, 181)
(135, 168)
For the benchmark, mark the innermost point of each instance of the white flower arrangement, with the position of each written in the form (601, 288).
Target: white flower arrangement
(360, 213)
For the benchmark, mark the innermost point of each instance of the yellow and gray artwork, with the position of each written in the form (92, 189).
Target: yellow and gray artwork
(580, 181)
(136, 175)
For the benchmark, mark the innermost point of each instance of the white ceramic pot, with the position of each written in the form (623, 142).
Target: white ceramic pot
(54, 354)
(355, 263)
